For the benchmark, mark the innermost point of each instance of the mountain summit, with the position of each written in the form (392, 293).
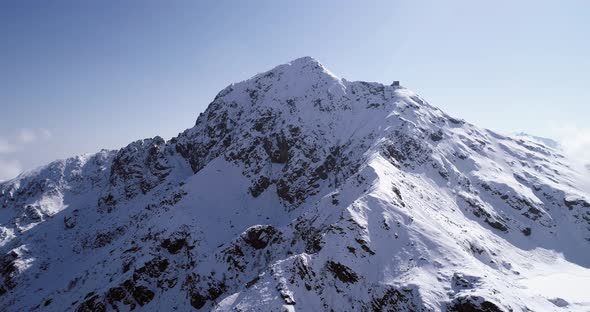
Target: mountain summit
(299, 190)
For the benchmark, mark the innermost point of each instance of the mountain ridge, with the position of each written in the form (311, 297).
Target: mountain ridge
(297, 189)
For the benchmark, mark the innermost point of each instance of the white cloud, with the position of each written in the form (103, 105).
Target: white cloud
(45, 134)
(9, 168)
(6, 147)
(26, 136)
(575, 142)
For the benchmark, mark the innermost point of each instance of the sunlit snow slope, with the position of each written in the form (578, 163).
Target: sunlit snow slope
(299, 190)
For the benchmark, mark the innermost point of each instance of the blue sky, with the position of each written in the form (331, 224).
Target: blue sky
(78, 76)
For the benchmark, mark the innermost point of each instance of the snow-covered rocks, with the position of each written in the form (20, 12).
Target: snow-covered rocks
(299, 190)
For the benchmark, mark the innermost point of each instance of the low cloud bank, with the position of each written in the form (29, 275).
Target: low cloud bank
(10, 166)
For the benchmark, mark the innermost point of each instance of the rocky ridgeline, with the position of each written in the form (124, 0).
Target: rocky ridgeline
(295, 188)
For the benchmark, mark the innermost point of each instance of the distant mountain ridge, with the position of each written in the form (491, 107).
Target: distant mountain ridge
(546, 141)
(300, 190)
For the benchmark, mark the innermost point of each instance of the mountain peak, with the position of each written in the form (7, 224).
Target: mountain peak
(304, 60)
(297, 187)
(305, 67)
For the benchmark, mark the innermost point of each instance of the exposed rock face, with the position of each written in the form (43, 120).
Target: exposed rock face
(472, 304)
(298, 190)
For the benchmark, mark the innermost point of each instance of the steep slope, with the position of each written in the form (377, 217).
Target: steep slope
(298, 190)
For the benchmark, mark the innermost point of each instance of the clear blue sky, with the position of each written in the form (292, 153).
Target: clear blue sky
(77, 76)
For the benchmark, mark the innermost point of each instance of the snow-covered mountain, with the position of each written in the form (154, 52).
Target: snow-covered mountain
(299, 190)
(537, 139)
